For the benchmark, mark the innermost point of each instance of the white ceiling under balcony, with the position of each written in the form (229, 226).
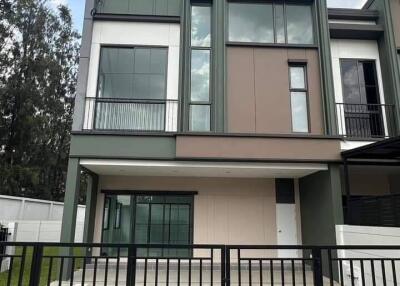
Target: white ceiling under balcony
(200, 169)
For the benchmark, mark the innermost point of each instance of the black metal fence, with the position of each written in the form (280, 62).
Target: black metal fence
(83, 264)
(131, 114)
(375, 211)
(365, 120)
(3, 238)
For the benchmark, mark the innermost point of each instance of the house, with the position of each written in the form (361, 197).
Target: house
(234, 122)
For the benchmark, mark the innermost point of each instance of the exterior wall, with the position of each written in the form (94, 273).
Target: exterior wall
(134, 34)
(274, 148)
(226, 211)
(395, 7)
(258, 96)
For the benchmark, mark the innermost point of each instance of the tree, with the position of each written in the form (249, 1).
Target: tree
(38, 58)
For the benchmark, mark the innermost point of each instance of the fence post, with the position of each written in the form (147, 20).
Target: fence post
(36, 265)
(317, 266)
(227, 266)
(131, 267)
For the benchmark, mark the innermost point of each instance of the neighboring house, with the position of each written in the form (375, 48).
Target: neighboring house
(234, 122)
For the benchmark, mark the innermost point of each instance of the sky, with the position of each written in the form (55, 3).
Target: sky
(77, 7)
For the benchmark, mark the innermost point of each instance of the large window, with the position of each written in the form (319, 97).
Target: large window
(200, 98)
(298, 98)
(138, 73)
(361, 107)
(270, 23)
(150, 219)
(131, 91)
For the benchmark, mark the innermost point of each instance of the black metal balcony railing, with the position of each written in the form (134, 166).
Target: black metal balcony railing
(375, 211)
(365, 120)
(131, 114)
(224, 265)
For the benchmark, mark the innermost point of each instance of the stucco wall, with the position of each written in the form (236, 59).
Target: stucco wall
(226, 211)
(258, 96)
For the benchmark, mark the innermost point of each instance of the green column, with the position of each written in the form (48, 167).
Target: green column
(219, 63)
(71, 201)
(321, 206)
(69, 213)
(326, 68)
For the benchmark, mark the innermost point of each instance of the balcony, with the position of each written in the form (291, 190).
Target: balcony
(122, 114)
(365, 121)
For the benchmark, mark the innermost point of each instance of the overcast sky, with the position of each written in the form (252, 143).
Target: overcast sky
(77, 7)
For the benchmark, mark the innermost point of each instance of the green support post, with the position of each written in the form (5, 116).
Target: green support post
(69, 212)
(90, 212)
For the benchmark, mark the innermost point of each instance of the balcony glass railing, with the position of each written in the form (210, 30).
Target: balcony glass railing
(365, 120)
(131, 114)
(139, 7)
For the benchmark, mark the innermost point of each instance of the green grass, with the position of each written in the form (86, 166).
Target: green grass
(45, 266)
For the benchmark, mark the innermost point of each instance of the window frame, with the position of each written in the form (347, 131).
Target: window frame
(302, 64)
(210, 102)
(165, 200)
(275, 3)
(133, 47)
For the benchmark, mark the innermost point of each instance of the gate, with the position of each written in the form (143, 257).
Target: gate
(212, 265)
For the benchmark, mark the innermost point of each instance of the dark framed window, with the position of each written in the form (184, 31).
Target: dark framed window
(131, 90)
(271, 22)
(299, 97)
(200, 67)
(133, 73)
(361, 108)
(150, 219)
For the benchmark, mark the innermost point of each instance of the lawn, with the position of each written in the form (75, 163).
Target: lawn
(45, 266)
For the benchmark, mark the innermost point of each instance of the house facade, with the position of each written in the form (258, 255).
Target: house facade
(225, 122)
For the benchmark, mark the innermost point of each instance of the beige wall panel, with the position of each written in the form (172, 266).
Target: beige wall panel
(226, 211)
(241, 98)
(258, 89)
(272, 93)
(257, 148)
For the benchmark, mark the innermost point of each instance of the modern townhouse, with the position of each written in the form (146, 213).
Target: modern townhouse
(235, 122)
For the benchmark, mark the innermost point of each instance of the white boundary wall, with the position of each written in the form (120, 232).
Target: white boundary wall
(366, 235)
(18, 209)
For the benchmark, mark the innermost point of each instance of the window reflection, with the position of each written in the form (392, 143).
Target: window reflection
(251, 23)
(200, 75)
(201, 26)
(200, 118)
(270, 23)
(299, 24)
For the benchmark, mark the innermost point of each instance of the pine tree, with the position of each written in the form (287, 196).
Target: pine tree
(38, 58)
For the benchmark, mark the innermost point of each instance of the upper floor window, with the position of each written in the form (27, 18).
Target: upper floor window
(298, 98)
(200, 98)
(131, 91)
(270, 23)
(138, 73)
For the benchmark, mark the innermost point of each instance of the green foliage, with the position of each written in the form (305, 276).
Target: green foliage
(38, 69)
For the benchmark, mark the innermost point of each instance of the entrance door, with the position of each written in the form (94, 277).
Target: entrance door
(362, 109)
(286, 216)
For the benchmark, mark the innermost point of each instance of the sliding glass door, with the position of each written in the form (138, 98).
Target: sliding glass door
(155, 219)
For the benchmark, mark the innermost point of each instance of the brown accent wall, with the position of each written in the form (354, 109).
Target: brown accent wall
(226, 211)
(258, 148)
(395, 5)
(258, 98)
